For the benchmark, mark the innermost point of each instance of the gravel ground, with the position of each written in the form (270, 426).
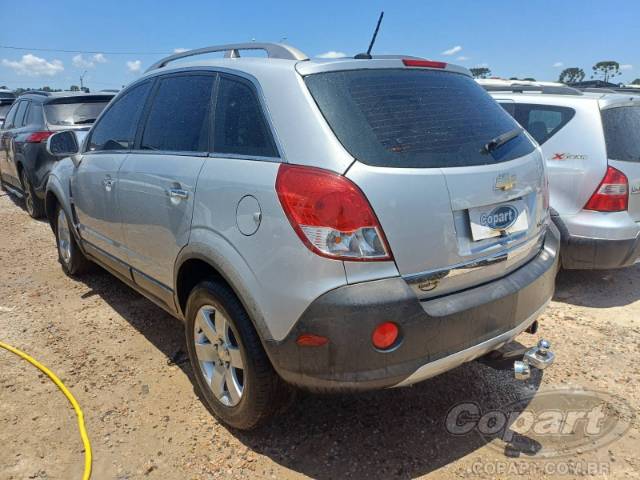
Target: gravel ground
(123, 358)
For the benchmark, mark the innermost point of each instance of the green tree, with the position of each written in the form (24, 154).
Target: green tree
(74, 88)
(607, 69)
(529, 79)
(571, 75)
(480, 72)
(636, 82)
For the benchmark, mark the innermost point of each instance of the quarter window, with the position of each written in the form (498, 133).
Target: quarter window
(116, 129)
(19, 118)
(179, 117)
(35, 117)
(239, 124)
(541, 121)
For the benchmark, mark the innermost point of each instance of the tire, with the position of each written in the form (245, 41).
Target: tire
(232, 371)
(73, 261)
(34, 206)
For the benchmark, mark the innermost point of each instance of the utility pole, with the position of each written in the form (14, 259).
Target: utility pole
(82, 81)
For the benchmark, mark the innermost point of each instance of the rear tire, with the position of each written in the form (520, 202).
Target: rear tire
(73, 261)
(34, 206)
(232, 370)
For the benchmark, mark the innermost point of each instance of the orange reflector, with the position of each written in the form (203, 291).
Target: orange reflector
(311, 340)
(385, 335)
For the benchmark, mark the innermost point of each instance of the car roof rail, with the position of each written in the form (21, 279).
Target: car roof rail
(36, 92)
(232, 50)
(550, 89)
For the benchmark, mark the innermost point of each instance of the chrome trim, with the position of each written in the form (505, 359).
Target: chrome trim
(442, 365)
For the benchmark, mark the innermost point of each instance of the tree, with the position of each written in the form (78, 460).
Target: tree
(636, 82)
(607, 68)
(571, 75)
(74, 88)
(480, 72)
(529, 79)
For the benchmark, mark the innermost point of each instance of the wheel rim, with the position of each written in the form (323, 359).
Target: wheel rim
(218, 354)
(64, 237)
(28, 199)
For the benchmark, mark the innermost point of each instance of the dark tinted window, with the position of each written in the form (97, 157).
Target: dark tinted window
(8, 122)
(622, 133)
(541, 121)
(34, 117)
(19, 118)
(414, 118)
(240, 126)
(117, 128)
(4, 109)
(179, 116)
(75, 110)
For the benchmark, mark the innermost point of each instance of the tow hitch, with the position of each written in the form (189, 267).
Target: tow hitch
(539, 357)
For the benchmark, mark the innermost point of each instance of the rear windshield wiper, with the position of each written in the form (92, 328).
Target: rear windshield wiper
(501, 140)
(85, 121)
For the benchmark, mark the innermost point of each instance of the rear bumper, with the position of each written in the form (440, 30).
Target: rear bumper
(595, 253)
(436, 334)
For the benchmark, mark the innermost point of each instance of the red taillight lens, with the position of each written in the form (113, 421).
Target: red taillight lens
(37, 137)
(385, 335)
(612, 195)
(330, 214)
(423, 63)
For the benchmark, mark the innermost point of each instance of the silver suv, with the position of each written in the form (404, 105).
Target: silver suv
(339, 224)
(591, 143)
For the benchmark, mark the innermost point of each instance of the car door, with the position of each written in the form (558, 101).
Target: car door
(5, 142)
(158, 179)
(94, 183)
(12, 145)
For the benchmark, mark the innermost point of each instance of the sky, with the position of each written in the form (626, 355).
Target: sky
(535, 39)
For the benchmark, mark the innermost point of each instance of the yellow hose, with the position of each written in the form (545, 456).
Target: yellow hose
(72, 400)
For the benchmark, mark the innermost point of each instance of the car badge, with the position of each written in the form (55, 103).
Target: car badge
(505, 181)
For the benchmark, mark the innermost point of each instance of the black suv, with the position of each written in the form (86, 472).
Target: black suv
(33, 118)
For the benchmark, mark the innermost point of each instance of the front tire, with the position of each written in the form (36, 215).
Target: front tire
(232, 370)
(34, 206)
(73, 261)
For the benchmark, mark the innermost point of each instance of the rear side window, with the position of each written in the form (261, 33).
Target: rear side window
(622, 133)
(8, 122)
(179, 116)
(74, 110)
(541, 121)
(414, 118)
(19, 118)
(4, 109)
(116, 129)
(34, 117)
(239, 124)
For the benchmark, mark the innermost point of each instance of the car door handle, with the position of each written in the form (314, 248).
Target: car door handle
(178, 193)
(108, 183)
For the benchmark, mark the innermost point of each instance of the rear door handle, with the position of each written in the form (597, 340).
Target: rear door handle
(178, 193)
(108, 183)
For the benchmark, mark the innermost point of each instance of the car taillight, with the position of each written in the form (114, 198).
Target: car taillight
(612, 195)
(408, 62)
(330, 214)
(37, 137)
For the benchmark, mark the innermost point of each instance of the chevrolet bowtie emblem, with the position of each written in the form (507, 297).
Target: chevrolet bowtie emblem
(505, 181)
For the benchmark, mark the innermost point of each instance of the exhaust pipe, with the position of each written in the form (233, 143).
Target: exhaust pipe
(539, 357)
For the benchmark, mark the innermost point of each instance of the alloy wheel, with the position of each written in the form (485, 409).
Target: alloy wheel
(64, 237)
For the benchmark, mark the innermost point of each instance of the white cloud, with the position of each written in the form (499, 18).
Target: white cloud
(99, 58)
(134, 66)
(453, 50)
(558, 64)
(34, 66)
(332, 54)
(462, 58)
(626, 66)
(80, 62)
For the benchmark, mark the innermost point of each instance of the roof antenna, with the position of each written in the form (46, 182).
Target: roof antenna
(367, 56)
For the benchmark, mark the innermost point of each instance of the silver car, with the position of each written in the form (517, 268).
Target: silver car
(342, 224)
(591, 144)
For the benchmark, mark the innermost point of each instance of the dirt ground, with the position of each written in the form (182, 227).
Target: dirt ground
(123, 358)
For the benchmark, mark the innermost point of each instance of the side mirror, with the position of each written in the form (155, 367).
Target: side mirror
(63, 144)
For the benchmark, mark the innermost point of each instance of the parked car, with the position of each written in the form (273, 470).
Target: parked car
(34, 117)
(6, 100)
(342, 224)
(591, 143)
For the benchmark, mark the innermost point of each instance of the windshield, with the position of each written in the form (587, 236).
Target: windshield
(72, 111)
(415, 118)
(622, 133)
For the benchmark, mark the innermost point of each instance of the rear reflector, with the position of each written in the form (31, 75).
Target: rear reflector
(385, 335)
(311, 340)
(612, 195)
(37, 137)
(423, 63)
(330, 214)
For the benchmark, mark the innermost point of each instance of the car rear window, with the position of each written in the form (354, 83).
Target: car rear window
(75, 111)
(414, 118)
(622, 133)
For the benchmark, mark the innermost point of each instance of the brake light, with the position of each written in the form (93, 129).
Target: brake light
(408, 62)
(330, 214)
(37, 137)
(612, 195)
